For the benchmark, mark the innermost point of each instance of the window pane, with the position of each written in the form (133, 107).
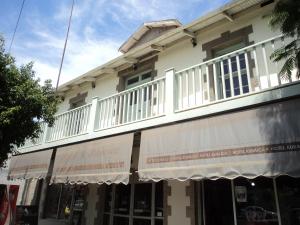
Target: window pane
(122, 199)
(159, 222)
(218, 202)
(142, 199)
(159, 197)
(106, 218)
(141, 222)
(108, 198)
(288, 190)
(65, 202)
(52, 199)
(132, 80)
(255, 201)
(121, 220)
(146, 76)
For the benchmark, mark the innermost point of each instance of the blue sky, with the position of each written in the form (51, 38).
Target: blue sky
(98, 28)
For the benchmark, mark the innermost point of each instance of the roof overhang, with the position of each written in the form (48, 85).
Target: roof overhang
(138, 34)
(228, 10)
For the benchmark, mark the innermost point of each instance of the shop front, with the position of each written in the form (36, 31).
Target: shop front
(239, 168)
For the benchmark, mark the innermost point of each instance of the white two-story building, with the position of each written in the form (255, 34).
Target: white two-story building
(191, 125)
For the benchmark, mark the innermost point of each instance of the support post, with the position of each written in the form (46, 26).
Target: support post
(170, 91)
(93, 113)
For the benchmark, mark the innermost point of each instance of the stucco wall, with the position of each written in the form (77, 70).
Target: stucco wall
(178, 202)
(105, 86)
(183, 54)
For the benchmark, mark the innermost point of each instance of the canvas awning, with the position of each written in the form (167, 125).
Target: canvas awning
(31, 165)
(101, 161)
(260, 141)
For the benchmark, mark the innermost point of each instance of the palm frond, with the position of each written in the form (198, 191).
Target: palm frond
(287, 68)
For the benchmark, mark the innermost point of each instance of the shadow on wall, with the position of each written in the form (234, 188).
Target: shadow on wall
(280, 126)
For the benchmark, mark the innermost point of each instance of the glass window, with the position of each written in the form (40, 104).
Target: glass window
(52, 199)
(122, 199)
(141, 212)
(141, 222)
(288, 190)
(255, 201)
(59, 201)
(118, 220)
(218, 202)
(159, 195)
(142, 199)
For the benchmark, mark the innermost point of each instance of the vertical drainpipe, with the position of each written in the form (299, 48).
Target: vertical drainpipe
(45, 185)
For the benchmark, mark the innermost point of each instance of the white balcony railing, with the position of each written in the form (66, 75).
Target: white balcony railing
(136, 104)
(239, 73)
(70, 123)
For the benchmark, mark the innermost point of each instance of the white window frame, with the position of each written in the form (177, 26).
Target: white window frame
(140, 81)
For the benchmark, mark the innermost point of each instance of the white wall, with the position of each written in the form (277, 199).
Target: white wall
(183, 55)
(179, 203)
(105, 86)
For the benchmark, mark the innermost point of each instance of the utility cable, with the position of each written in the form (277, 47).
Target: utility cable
(16, 27)
(65, 46)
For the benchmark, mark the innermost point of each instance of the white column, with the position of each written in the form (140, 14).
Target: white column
(93, 113)
(170, 91)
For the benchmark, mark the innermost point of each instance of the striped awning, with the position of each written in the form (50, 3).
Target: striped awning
(31, 165)
(100, 161)
(261, 141)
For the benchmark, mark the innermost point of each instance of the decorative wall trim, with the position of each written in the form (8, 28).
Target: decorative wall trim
(78, 98)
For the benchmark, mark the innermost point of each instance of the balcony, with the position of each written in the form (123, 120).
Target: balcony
(239, 79)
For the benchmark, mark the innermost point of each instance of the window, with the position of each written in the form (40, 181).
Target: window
(138, 79)
(134, 204)
(245, 201)
(288, 189)
(59, 201)
(234, 69)
(59, 198)
(255, 201)
(218, 201)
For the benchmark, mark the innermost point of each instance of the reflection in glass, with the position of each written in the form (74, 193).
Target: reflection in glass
(159, 222)
(53, 195)
(121, 220)
(142, 199)
(122, 199)
(106, 219)
(255, 201)
(218, 202)
(288, 190)
(108, 198)
(159, 196)
(141, 222)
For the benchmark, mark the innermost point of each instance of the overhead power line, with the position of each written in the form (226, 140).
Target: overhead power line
(16, 27)
(65, 46)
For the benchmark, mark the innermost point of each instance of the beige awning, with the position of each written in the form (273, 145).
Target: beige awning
(260, 141)
(31, 165)
(100, 161)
